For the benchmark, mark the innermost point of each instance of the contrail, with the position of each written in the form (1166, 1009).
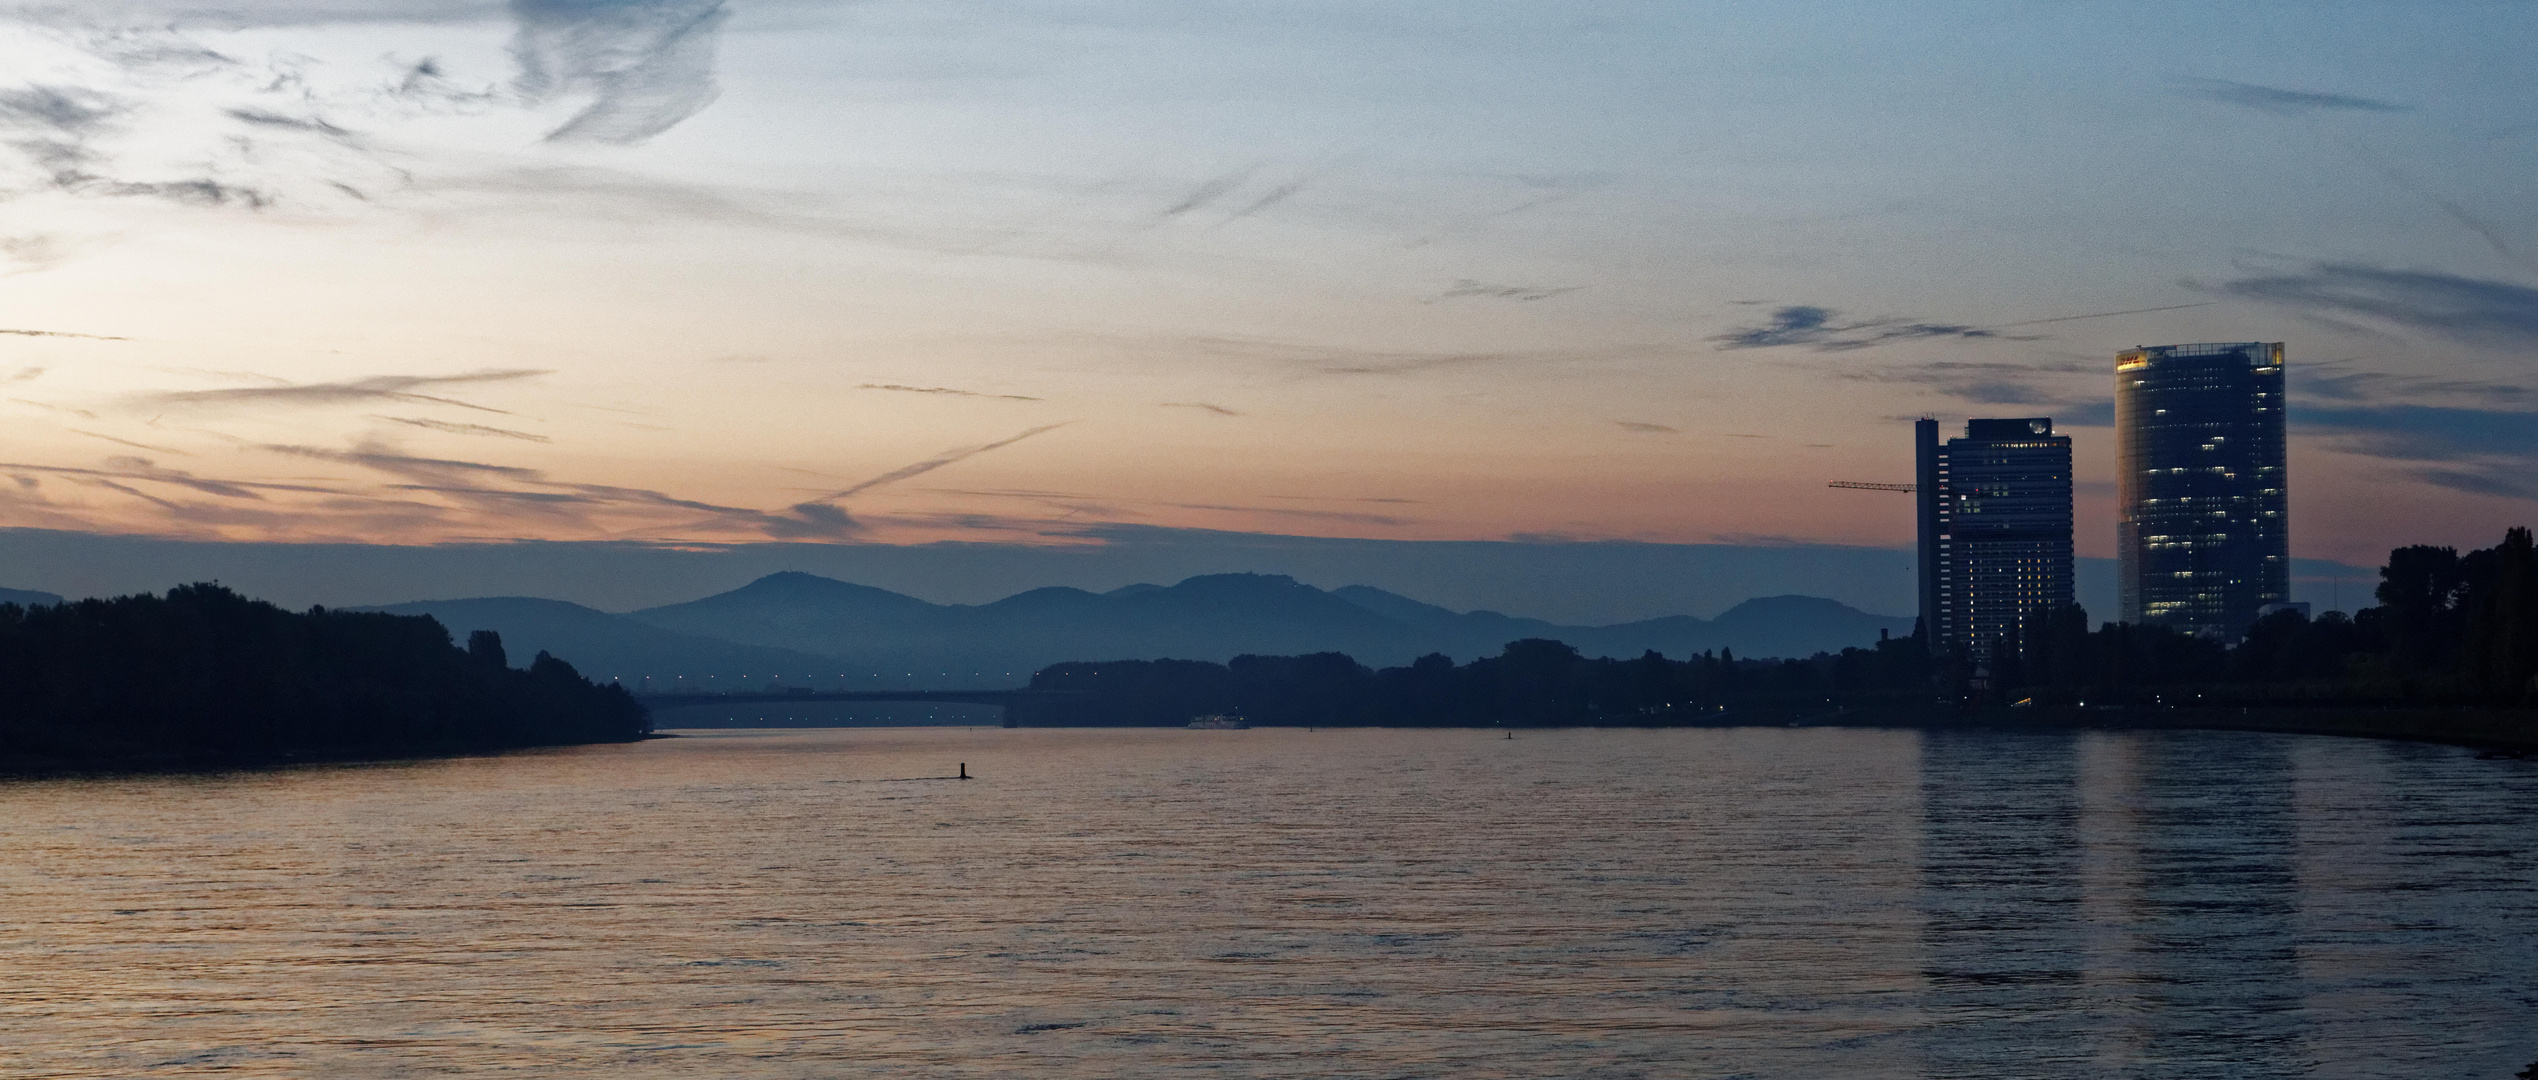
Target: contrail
(936, 462)
(57, 333)
(2099, 315)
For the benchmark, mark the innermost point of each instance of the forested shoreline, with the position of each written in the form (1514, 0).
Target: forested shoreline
(203, 675)
(2450, 630)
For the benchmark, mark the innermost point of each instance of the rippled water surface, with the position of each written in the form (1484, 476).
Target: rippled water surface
(1759, 902)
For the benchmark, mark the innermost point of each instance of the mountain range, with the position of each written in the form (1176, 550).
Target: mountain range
(805, 627)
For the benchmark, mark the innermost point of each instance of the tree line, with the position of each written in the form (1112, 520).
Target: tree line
(203, 674)
(2449, 628)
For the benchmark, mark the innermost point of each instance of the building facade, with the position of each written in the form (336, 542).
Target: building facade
(1995, 524)
(2203, 527)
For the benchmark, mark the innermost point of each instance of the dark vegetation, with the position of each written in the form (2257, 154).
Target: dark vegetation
(2451, 629)
(204, 675)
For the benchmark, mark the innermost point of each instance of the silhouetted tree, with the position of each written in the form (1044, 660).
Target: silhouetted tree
(486, 646)
(206, 673)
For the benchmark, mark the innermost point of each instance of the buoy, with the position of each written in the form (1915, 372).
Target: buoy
(964, 772)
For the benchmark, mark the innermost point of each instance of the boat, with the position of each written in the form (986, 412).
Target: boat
(1219, 722)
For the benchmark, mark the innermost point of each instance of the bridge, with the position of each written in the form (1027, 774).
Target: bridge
(794, 697)
(1007, 699)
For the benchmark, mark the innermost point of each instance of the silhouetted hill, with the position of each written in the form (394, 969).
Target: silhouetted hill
(1211, 617)
(1214, 616)
(606, 646)
(28, 598)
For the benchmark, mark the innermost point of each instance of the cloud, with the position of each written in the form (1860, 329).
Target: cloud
(81, 413)
(27, 374)
(1648, 429)
(1349, 517)
(2466, 309)
(943, 390)
(1468, 288)
(233, 15)
(2318, 382)
(141, 110)
(61, 334)
(372, 455)
(462, 429)
(2425, 432)
(143, 469)
(375, 388)
(2284, 102)
(646, 65)
(1207, 192)
(2478, 451)
(130, 443)
(1821, 329)
(69, 110)
(1985, 383)
(1272, 197)
(1202, 406)
(812, 521)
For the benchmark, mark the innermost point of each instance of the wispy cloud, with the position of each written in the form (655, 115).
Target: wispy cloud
(49, 407)
(145, 470)
(384, 459)
(130, 443)
(462, 429)
(1645, 428)
(1207, 192)
(2480, 451)
(1201, 406)
(62, 334)
(1988, 383)
(374, 388)
(1347, 516)
(1823, 330)
(2284, 102)
(943, 390)
(1468, 288)
(2474, 310)
(646, 65)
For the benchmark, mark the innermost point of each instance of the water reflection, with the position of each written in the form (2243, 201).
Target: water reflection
(1735, 903)
(2196, 905)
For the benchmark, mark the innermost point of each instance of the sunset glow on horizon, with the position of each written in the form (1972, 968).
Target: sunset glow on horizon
(727, 271)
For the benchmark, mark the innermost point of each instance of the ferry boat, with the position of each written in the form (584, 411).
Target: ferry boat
(1219, 722)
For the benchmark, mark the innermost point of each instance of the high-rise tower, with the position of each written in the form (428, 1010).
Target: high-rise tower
(2202, 534)
(1995, 526)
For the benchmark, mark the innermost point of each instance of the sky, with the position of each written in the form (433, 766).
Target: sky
(710, 275)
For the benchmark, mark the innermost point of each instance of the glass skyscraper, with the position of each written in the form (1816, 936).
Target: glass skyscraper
(2202, 534)
(1995, 522)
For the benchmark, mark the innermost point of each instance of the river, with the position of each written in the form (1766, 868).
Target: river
(1341, 903)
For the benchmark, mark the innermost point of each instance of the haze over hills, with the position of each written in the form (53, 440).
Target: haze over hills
(28, 598)
(806, 627)
(605, 646)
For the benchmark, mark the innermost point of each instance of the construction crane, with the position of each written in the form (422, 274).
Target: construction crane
(1859, 486)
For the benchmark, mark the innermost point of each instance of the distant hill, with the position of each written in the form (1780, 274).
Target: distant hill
(1212, 617)
(804, 626)
(28, 598)
(605, 646)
